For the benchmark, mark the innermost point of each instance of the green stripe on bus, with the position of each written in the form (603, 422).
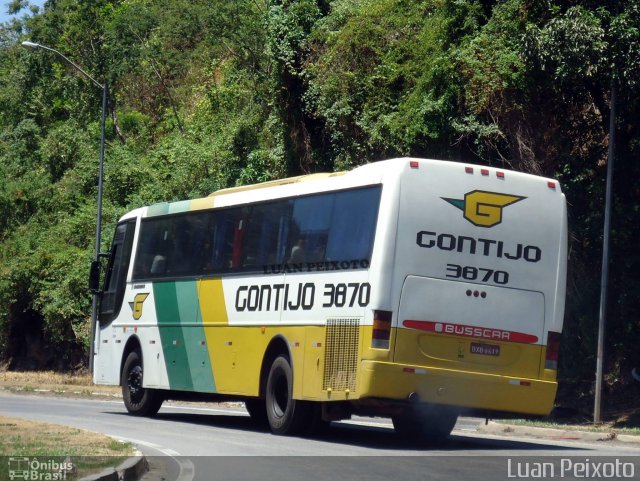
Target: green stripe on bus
(158, 209)
(171, 335)
(181, 206)
(194, 336)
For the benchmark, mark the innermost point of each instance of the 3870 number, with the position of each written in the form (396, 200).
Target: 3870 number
(340, 295)
(470, 273)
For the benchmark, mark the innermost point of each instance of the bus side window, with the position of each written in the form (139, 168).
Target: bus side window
(154, 249)
(310, 223)
(175, 246)
(227, 239)
(353, 224)
(220, 242)
(189, 254)
(236, 249)
(266, 235)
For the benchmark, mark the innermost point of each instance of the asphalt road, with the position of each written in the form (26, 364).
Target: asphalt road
(202, 443)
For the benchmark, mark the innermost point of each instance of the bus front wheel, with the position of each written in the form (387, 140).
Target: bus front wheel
(425, 424)
(285, 414)
(138, 400)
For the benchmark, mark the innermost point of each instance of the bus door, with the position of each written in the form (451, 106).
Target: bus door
(116, 274)
(111, 300)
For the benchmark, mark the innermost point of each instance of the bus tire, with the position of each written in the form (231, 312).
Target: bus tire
(138, 400)
(286, 415)
(425, 424)
(257, 409)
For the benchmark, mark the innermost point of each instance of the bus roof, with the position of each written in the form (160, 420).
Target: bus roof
(273, 183)
(361, 175)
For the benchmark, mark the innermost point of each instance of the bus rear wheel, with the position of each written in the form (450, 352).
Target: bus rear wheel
(138, 400)
(425, 424)
(285, 414)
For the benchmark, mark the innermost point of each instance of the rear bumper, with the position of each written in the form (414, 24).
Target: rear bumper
(457, 388)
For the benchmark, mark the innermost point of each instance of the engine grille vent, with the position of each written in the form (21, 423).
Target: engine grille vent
(341, 354)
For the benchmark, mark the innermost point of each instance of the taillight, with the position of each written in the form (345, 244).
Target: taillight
(553, 348)
(381, 329)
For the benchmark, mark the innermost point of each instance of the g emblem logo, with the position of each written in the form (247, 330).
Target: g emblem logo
(136, 305)
(482, 208)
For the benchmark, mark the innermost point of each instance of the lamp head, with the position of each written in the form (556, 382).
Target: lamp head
(30, 44)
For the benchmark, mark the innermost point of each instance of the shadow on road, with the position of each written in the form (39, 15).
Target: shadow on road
(373, 437)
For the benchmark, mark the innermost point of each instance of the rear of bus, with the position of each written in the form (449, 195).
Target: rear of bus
(476, 291)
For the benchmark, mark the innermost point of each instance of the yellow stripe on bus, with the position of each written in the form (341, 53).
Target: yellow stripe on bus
(200, 204)
(214, 316)
(212, 304)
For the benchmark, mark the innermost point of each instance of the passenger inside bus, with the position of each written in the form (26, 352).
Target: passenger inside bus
(298, 252)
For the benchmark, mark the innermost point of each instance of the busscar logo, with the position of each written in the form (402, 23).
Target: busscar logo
(482, 208)
(136, 305)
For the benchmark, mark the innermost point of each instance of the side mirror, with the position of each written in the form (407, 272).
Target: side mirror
(94, 277)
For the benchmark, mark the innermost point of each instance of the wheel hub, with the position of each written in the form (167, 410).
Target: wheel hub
(134, 383)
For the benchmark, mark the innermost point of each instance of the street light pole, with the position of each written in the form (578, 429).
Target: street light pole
(604, 281)
(94, 301)
(105, 95)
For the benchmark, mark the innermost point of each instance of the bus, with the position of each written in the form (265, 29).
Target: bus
(406, 288)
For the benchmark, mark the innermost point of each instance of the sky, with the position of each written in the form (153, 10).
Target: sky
(4, 16)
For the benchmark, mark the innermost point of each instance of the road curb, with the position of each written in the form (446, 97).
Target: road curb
(130, 469)
(510, 430)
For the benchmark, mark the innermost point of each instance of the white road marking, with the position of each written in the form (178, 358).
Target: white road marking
(211, 410)
(187, 470)
(193, 408)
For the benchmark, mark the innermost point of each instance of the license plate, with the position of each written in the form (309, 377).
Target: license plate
(485, 349)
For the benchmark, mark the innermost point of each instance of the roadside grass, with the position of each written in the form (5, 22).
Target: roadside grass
(603, 428)
(68, 385)
(51, 382)
(617, 426)
(48, 377)
(89, 452)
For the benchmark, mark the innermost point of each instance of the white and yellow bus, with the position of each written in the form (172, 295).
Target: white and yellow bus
(406, 288)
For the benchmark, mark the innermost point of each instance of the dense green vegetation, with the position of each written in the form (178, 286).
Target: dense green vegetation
(215, 93)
